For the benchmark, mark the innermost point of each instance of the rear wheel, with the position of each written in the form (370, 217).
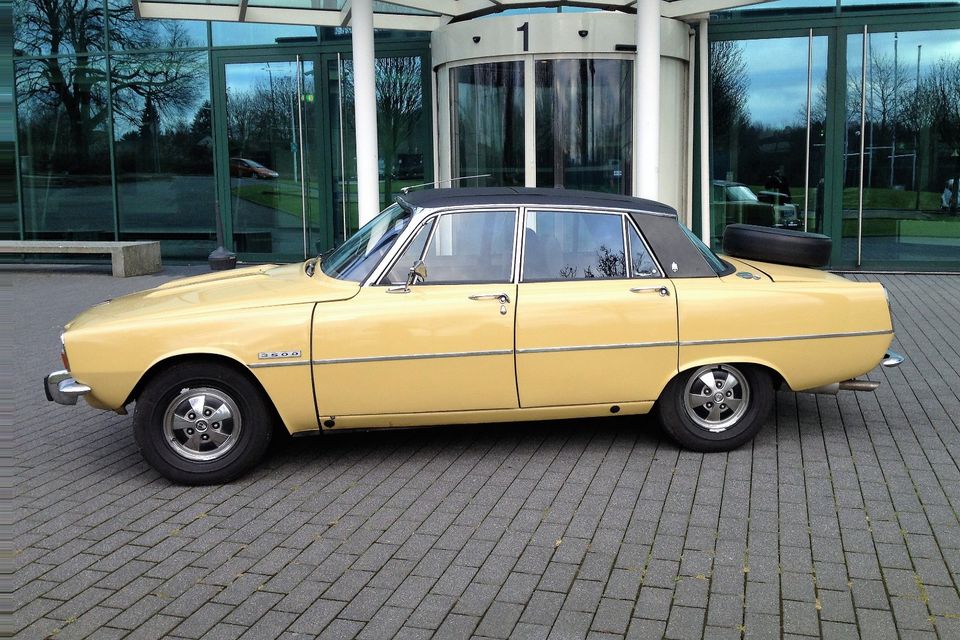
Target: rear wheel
(202, 423)
(717, 407)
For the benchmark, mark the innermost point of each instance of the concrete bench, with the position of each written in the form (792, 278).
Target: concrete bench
(127, 258)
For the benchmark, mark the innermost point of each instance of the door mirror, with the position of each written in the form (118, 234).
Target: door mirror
(417, 273)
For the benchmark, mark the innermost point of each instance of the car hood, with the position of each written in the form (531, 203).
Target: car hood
(220, 292)
(782, 272)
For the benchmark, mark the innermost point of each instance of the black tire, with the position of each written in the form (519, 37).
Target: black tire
(693, 427)
(780, 246)
(170, 428)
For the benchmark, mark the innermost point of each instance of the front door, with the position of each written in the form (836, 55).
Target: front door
(445, 344)
(596, 319)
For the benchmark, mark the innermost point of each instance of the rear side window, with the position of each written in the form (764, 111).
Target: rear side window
(570, 245)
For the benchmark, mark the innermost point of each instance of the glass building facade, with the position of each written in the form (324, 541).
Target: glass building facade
(835, 116)
(129, 129)
(841, 117)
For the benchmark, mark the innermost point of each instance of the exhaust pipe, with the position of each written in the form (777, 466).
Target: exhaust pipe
(847, 385)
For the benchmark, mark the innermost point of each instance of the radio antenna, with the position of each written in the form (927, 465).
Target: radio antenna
(436, 183)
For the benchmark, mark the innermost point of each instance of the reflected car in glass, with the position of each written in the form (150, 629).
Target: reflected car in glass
(736, 203)
(247, 168)
(462, 306)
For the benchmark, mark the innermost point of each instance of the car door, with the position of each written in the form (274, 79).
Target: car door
(596, 318)
(444, 344)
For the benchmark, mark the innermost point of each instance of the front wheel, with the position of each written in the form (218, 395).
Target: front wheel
(717, 407)
(202, 423)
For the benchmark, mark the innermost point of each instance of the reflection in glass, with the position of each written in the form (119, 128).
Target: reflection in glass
(163, 149)
(264, 138)
(50, 27)
(759, 149)
(560, 245)
(64, 149)
(129, 32)
(584, 129)
(911, 137)
(487, 123)
(401, 127)
(231, 34)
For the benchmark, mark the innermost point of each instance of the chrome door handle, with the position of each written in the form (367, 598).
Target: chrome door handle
(663, 291)
(501, 297)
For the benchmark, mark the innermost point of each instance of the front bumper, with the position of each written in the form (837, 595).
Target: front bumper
(60, 387)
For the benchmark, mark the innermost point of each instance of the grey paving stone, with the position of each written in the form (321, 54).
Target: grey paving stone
(838, 521)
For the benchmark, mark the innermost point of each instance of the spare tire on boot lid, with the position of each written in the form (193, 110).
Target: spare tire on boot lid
(780, 246)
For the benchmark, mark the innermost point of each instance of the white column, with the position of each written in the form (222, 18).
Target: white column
(365, 107)
(646, 132)
(703, 64)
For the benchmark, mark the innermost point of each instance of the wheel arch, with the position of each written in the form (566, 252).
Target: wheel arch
(776, 375)
(172, 360)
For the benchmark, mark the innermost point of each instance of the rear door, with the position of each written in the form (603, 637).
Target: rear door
(596, 318)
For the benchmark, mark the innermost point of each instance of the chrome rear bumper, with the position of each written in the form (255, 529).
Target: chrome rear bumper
(60, 387)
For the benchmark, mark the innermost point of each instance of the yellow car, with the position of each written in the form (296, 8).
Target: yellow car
(470, 306)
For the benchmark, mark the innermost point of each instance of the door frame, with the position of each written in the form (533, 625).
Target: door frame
(319, 53)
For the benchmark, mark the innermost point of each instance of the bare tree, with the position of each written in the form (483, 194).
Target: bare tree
(729, 86)
(399, 90)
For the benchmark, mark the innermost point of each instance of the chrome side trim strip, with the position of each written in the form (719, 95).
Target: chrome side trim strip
(260, 365)
(416, 356)
(598, 347)
(813, 336)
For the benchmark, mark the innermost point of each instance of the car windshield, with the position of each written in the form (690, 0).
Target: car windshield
(254, 164)
(356, 258)
(712, 259)
(740, 193)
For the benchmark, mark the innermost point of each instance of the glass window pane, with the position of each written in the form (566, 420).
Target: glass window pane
(642, 264)
(54, 28)
(64, 149)
(487, 124)
(398, 273)
(129, 32)
(758, 107)
(232, 34)
(471, 247)
(563, 245)
(584, 130)
(163, 148)
(910, 140)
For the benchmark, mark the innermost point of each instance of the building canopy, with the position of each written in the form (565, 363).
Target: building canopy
(417, 15)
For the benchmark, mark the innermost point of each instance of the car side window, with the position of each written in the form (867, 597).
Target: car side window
(641, 262)
(570, 245)
(465, 247)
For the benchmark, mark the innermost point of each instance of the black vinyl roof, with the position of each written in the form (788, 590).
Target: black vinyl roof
(435, 198)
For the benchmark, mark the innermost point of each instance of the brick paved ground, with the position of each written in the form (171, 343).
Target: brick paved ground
(839, 521)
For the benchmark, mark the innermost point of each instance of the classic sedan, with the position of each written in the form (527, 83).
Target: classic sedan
(472, 306)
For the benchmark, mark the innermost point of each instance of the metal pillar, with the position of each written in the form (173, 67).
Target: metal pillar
(703, 94)
(646, 132)
(365, 108)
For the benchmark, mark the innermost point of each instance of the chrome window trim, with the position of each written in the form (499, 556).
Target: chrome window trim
(420, 214)
(565, 209)
(812, 336)
(414, 356)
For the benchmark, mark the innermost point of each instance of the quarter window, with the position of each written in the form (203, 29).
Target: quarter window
(567, 245)
(641, 262)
